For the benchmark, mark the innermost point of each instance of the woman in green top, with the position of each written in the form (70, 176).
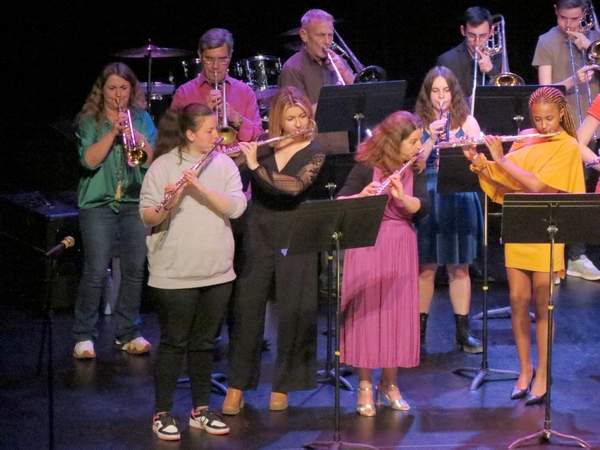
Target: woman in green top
(108, 199)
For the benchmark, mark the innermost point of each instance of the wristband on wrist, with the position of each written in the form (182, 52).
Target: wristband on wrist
(476, 168)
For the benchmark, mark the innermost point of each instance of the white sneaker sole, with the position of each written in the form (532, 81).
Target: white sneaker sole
(585, 277)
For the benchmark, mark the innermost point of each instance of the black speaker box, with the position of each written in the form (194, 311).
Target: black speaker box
(32, 223)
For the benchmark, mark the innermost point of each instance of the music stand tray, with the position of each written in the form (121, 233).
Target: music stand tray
(348, 223)
(345, 108)
(547, 219)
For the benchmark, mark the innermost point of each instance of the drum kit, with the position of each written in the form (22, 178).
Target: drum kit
(260, 73)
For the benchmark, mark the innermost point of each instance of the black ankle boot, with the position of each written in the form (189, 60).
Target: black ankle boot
(464, 339)
(424, 317)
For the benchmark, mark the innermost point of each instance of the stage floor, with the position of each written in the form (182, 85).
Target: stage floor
(107, 403)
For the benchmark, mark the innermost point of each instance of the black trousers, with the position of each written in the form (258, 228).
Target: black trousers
(294, 282)
(189, 322)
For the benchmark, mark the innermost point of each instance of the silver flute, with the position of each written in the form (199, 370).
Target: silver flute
(386, 182)
(467, 142)
(181, 182)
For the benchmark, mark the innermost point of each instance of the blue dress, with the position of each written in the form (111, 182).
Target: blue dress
(453, 230)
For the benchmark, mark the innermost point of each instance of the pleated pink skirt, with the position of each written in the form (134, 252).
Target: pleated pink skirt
(380, 301)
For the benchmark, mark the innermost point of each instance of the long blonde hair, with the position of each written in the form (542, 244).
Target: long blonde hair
(283, 99)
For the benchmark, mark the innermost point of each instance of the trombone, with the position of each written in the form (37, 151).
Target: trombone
(589, 56)
(363, 74)
(225, 131)
(497, 44)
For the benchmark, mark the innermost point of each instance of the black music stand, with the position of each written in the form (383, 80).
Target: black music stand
(328, 375)
(345, 108)
(547, 219)
(504, 110)
(349, 223)
(455, 176)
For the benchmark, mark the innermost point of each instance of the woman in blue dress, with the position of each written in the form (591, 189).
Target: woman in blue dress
(452, 232)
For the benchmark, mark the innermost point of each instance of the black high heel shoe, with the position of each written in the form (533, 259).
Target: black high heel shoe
(521, 393)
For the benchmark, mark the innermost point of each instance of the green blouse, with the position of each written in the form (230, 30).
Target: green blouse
(98, 185)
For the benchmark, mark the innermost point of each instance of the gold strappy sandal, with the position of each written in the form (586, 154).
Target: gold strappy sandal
(399, 404)
(365, 409)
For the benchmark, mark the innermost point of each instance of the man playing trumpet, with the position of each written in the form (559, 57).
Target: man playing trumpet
(215, 50)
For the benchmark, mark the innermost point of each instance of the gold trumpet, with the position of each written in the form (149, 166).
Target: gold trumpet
(136, 155)
(181, 182)
(386, 182)
(225, 131)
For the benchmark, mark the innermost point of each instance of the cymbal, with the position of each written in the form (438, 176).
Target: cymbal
(294, 46)
(153, 51)
(292, 32)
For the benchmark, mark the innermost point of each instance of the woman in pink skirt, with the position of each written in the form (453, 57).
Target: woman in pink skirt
(380, 299)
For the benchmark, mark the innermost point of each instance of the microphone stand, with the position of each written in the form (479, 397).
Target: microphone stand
(47, 331)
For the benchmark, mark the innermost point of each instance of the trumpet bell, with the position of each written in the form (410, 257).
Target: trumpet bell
(370, 74)
(137, 157)
(507, 79)
(228, 134)
(593, 52)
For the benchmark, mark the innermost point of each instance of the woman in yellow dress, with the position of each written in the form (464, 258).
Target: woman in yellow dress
(534, 165)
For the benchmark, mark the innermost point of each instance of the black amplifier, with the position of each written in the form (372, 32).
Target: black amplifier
(31, 223)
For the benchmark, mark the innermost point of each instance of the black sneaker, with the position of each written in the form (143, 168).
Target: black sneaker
(208, 421)
(165, 427)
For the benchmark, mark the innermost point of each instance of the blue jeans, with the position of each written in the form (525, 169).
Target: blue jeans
(101, 228)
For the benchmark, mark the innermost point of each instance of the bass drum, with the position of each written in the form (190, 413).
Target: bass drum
(260, 73)
(161, 96)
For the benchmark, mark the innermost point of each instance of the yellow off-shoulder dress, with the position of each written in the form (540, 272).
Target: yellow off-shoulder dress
(556, 161)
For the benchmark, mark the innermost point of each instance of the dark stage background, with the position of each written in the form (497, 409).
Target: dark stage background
(53, 52)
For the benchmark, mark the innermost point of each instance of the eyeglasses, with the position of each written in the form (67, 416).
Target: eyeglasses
(220, 61)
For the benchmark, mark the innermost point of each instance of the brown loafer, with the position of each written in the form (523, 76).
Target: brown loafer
(234, 401)
(278, 401)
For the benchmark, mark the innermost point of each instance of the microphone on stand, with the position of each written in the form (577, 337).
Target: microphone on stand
(57, 250)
